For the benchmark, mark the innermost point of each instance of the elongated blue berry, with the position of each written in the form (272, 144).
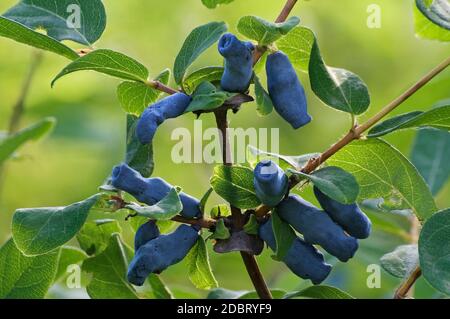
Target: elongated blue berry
(145, 233)
(302, 259)
(160, 253)
(271, 183)
(286, 91)
(317, 227)
(151, 190)
(349, 217)
(238, 63)
(167, 108)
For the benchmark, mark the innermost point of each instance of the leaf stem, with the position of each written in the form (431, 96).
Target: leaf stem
(356, 133)
(161, 87)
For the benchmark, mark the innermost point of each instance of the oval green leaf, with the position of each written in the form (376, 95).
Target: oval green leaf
(24, 277)
(82, 21)
(165, 209)
(337, 88)
(200, 39)
(298, 44)
(263, 31)
(334, 182)
(37, 231)
(199, 268)
(208, 74)
(108, 62)
(383, 172)
(319, 292)
(22, 34)
(434, 251)
(235, 185)
(12, 143)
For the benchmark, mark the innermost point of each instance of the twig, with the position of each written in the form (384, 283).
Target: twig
(402, 291)
(406, 288)
(161, 87)
(360, 129)
(204, 223)
(19, 107)
(238, 218)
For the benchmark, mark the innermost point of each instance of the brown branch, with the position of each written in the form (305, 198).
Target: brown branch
(402, 291)
(161, 87)
(356, 133)
(203, 223)
(237, 217)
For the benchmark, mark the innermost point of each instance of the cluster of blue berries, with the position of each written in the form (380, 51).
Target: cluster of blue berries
(336, 228)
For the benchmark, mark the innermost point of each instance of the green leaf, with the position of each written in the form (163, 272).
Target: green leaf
(438, 117)
(218, 211)
(320, 292)
(437, 11)
(11, 143)
(69, 256)
(402, 261)
(159, 289)
(199, 269)
(211, 4)
(284, 236)
(235, 185)
(392, 124)
(265, 32)
(426, 29)
(25, 277)
(138, 155)
(334, 182)
(109, 270)
(200, 39)
(204, 199)
(135, 97)
(263, 100)
(207, 97)
(254, 156)
(207, 74)
(20, 33)
(252, 226)
(337, 88)
(55, 18)
(37, 231)
(297, 45)
(383, 172)
(108, 62)
(434, 251)
(94, 238)
(165, 209)
(221, 231)
(430, 155)
(221, 293)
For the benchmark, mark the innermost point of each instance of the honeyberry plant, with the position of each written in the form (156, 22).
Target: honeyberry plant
(264, 207)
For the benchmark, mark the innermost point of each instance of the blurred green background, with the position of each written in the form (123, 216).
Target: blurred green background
(89, 137)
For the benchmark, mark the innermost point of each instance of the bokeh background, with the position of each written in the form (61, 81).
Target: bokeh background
(89, 138)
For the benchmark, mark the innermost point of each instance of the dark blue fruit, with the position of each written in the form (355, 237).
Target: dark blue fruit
(302, 259)
(349, 217)
(150, 190)
(160, 253)
(286, 91)
(317, 227)
(167, 108)
(271, 183)
(145, 233)
(238, 63)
